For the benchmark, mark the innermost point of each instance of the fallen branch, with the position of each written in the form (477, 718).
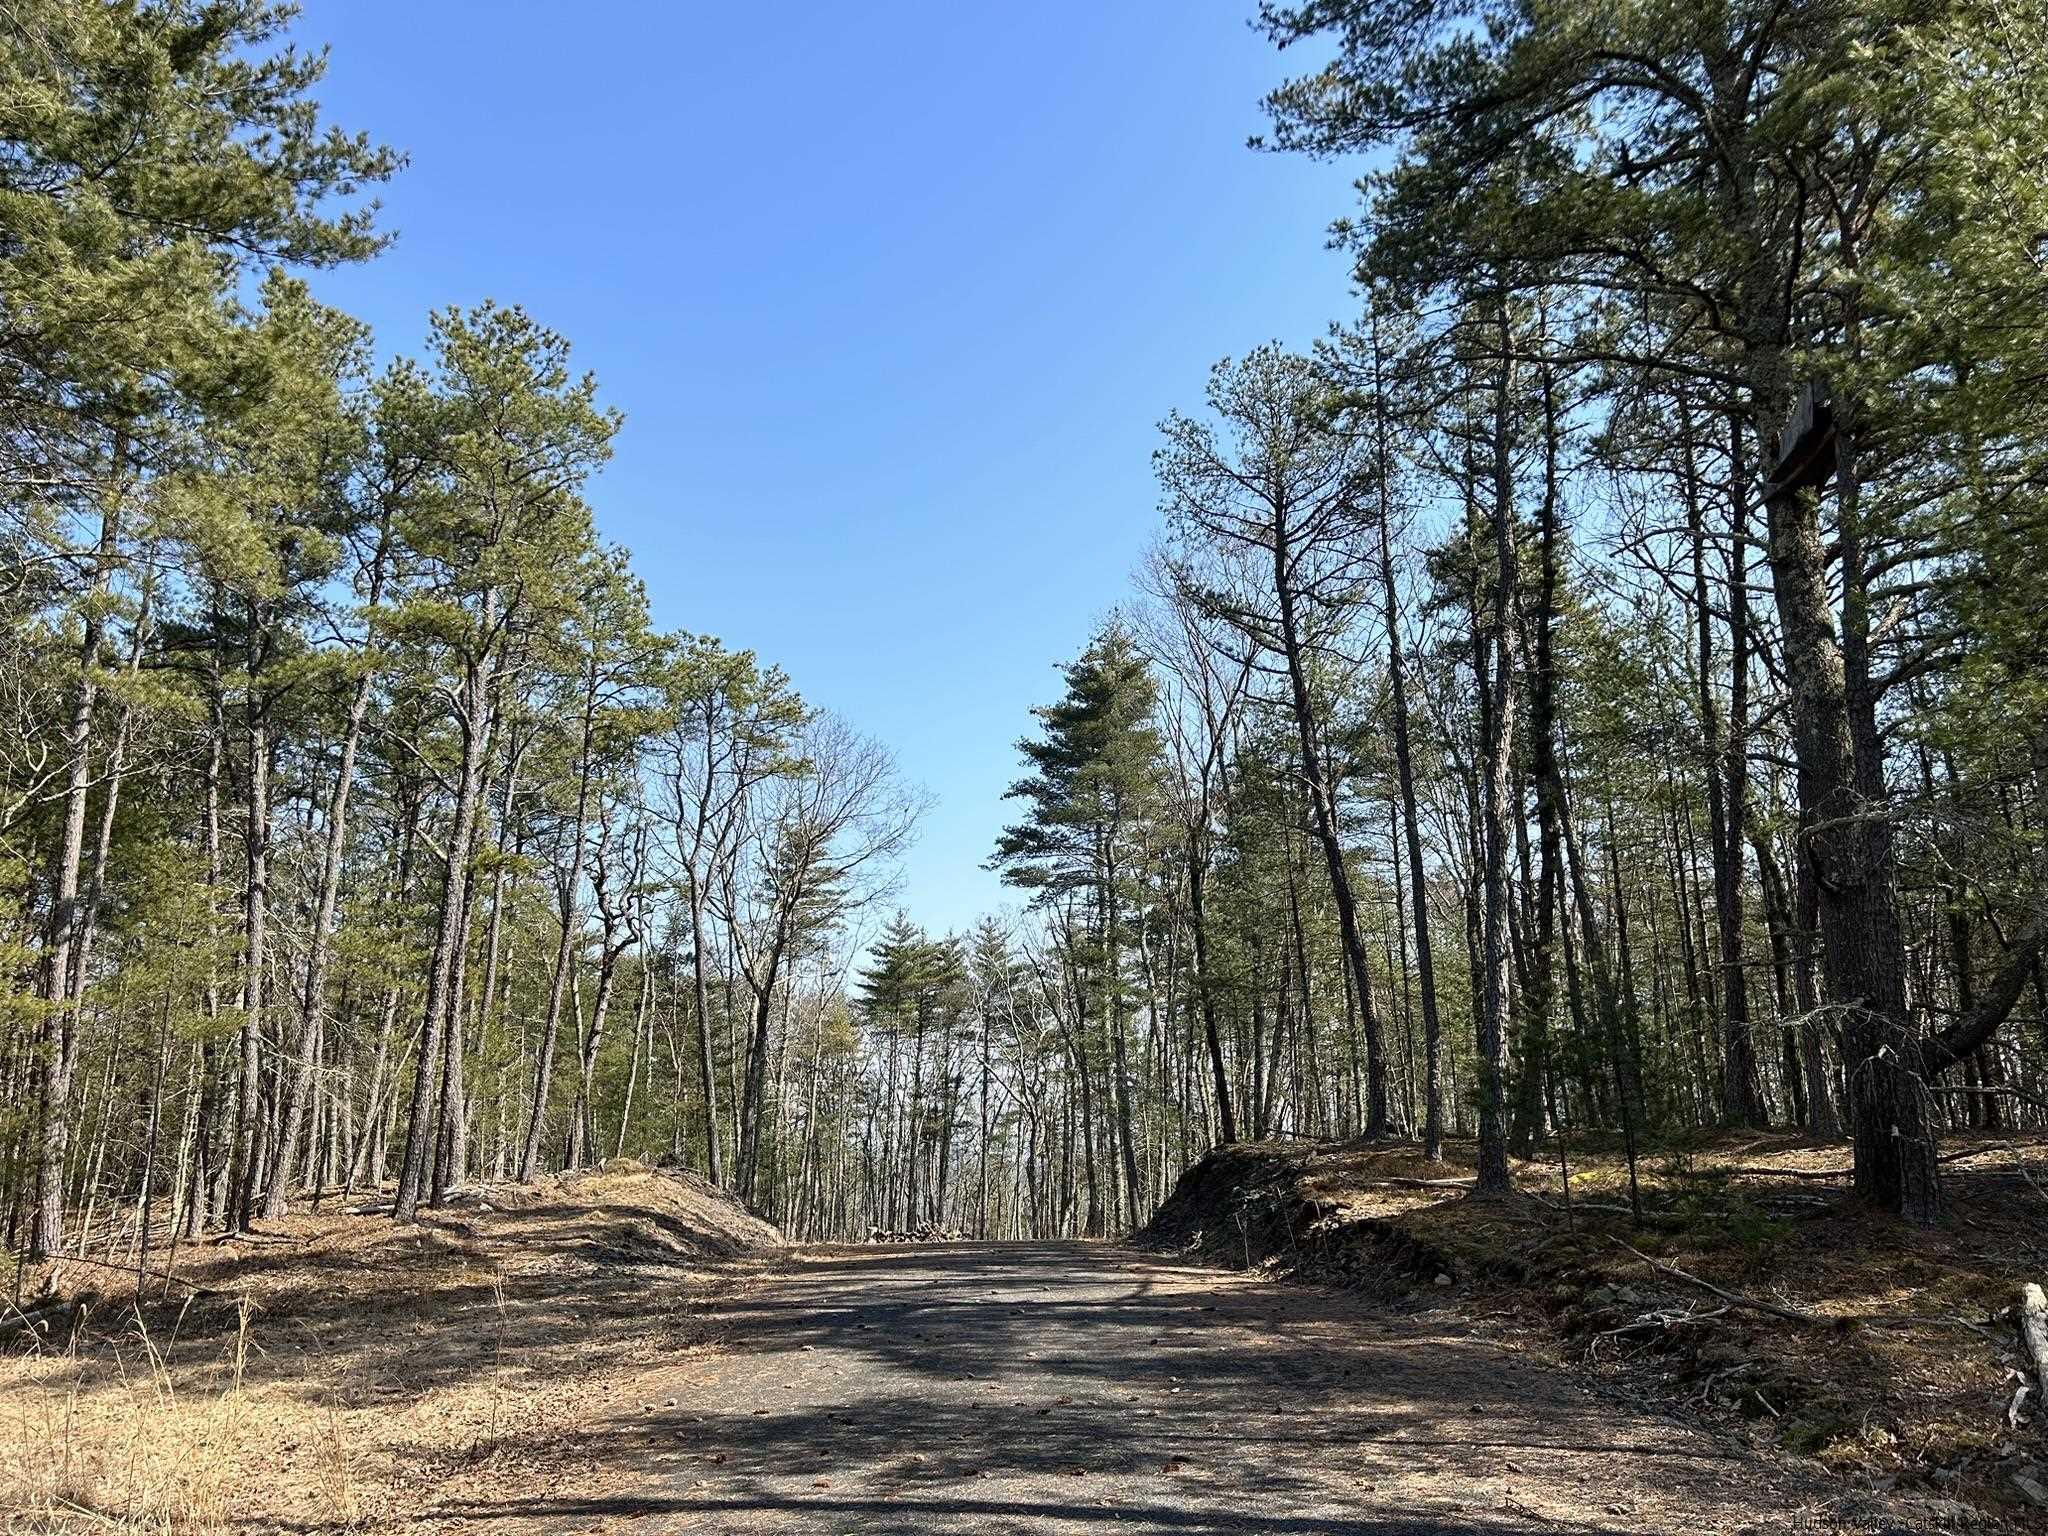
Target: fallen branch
(1783, 1200)
(130, 1269)
(2029, 1177)
(1661, 1320)
(2019, 1162)
(1746, 1171)
(1909, 1321)
(1816, 1319)
(2018, 1153)
(35, 1320)
(1752, 1171)
(1611, 1206)
(1733, 1298)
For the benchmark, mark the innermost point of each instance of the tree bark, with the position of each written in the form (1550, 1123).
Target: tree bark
(1846, 843)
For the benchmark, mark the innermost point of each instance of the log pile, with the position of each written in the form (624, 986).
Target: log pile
(924, 1232)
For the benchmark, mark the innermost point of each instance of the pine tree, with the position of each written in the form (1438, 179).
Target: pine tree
(1094, 785)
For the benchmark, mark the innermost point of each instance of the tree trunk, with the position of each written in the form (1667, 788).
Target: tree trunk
(1322, 803)
(321, 942)
(1205, 989)
(1495, 655)
(59, 1031)
(558, 977)
(1846, 843)
(246, 1172)
(416, 1166)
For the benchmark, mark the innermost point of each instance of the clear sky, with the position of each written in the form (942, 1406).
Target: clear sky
(893, 296)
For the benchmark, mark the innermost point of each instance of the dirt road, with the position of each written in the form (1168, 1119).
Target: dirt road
(1081, 1388)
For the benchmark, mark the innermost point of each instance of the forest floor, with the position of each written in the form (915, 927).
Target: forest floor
(339, 1373)
(1888, 1354)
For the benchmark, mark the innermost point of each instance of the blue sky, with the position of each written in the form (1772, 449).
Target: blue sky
(893, 297)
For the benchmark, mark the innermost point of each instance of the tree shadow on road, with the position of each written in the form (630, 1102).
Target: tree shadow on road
(1050, 1388)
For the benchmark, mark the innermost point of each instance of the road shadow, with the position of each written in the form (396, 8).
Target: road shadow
(1078, 1388)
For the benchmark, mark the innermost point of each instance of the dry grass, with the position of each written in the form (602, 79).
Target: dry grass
(1904, 1380)
(129, 1451)
(345, 1374)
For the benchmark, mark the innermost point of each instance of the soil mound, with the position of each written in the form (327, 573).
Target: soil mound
(1258, 1204)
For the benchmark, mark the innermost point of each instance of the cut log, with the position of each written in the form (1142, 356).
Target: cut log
(2033, 1321)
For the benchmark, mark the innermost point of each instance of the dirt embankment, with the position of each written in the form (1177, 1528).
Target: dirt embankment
(1753, 1293)
(338, 1372)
